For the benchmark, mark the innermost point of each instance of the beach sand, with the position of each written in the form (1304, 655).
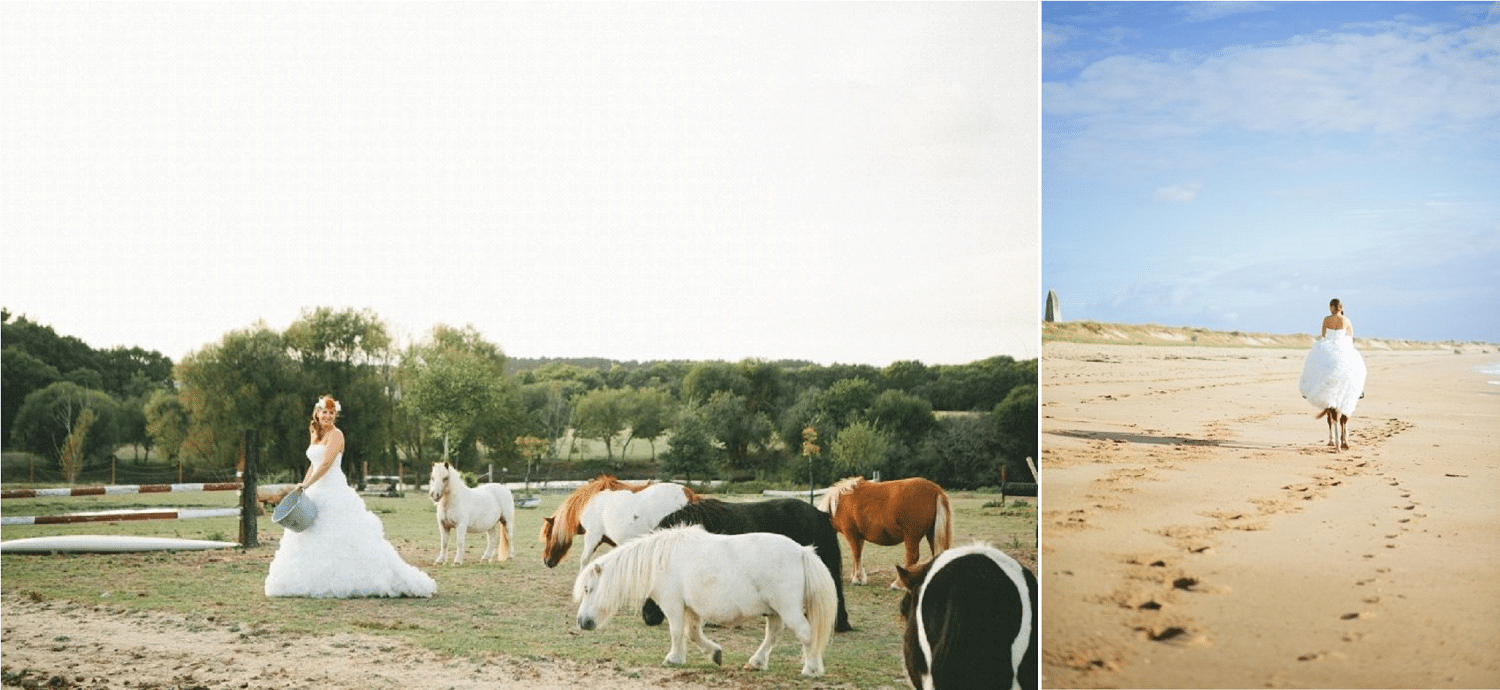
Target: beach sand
(1198, 532)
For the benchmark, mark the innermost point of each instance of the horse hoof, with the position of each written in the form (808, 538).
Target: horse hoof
(718, 657)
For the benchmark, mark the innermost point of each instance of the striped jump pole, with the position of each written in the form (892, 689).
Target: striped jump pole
(121, 490)
(121, 515)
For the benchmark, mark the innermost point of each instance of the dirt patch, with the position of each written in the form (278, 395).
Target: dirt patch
(66, 645)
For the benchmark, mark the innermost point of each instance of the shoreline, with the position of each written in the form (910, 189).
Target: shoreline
(1197, 532)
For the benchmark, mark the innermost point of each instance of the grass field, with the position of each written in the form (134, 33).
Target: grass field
(519, 608)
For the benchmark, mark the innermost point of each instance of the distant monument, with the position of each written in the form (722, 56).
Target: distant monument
(1054, 313)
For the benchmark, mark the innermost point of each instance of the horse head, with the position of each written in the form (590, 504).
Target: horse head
(555, 542)
(911, 580)
(584, 588)
(437, 484)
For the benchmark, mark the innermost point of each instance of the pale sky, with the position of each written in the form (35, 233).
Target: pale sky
(1235, 166)
(846, 182)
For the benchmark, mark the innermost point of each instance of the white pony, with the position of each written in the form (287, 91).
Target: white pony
(698, 577)
(617, 516)
(465, 510)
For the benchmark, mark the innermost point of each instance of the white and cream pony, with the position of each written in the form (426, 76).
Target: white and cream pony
(463, 510)
(697, 577)
(619, 515)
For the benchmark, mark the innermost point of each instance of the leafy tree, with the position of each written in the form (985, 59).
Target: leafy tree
(904, 417)
(550, 405)
(132, 424)
(706, 378)
(979, 386)
(848, 399)
(807, 411)
(129, 372)
(602, 414)
(64, 352)
(650, 412)
(72, 460)
(245, 381)
(590, 379)
(534, 451)
(664, 375)
(166, 422)
(1015, 419)
(454, 385)
(347, 354)
(910, 376)
(963, 452)
(23, 374)
(860, 448)
(763, 386)
(691, 450)
(50, 416)
(730, 422)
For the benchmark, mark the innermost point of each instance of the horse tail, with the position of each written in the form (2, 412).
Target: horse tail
(1326, 411)
(942, 525)
(820, 598)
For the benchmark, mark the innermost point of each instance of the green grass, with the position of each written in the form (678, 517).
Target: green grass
(519, 608)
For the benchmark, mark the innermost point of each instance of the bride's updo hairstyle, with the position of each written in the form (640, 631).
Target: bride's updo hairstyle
(325, 403)
(1336, 304)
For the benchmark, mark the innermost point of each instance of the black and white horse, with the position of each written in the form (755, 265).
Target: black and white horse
(793, 518)
(970, 621)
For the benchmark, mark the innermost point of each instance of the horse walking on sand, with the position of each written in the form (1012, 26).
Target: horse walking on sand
(627, 511)
(888, 513)
(971, 621)
(700, 578)
(793, 518)
(462, 510)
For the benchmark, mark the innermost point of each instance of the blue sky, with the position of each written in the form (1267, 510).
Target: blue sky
(837, 182)
(1236, 165)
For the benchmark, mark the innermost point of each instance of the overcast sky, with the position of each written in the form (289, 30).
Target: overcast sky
(1237, 165)
(844, 182)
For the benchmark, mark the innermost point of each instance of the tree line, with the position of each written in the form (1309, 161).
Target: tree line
(453, 395)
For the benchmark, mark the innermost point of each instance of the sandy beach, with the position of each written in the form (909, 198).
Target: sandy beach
(1197, 531)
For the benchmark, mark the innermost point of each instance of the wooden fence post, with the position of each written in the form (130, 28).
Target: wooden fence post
(248, 523)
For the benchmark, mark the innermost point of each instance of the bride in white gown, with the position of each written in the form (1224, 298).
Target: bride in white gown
(1333, 375)
(344, 553)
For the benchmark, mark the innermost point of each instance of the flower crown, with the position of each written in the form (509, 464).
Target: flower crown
(327, 402)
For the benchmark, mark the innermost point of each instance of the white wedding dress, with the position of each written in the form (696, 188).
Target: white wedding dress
(1333, 375)
(344, 553)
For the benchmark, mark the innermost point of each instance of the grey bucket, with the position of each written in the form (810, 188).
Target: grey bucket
(295, 512)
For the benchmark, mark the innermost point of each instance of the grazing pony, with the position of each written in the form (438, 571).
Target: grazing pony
(700, 578)
(887, 513)
(463, 510)
(1339, 440)
(559, 529)
(793, 518)
(971, 621)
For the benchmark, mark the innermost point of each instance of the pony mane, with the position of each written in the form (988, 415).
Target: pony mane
(830, 501)
(568, 515)
(630, 570)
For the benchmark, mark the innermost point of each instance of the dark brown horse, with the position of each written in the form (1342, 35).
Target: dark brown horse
(888, 513)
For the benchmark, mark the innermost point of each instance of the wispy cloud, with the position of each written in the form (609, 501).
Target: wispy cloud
(1210, 11)
(1177, 193)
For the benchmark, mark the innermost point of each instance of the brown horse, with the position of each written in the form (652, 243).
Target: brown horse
(887, 513)
(568, 520)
